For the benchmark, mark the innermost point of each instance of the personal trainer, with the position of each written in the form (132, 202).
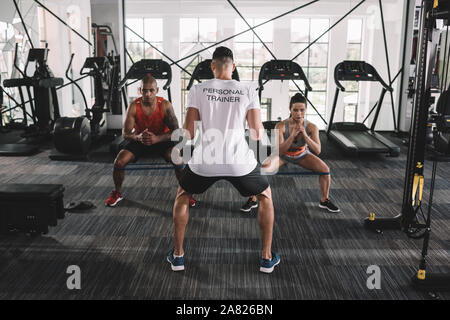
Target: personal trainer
(222, 105)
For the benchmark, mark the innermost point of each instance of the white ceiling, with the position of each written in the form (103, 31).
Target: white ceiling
(243, 2)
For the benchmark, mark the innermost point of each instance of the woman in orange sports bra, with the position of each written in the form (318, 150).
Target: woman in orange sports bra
(299, 144)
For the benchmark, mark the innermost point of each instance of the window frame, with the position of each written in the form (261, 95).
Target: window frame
(308, 67)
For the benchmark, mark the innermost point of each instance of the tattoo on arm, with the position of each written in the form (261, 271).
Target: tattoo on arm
(170, 119)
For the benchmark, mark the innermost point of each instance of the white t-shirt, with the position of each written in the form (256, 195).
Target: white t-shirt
(223, 149)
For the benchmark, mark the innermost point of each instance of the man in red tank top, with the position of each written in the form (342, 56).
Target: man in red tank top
(148, 126)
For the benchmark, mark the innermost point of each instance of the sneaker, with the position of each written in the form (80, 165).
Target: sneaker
(327, 204)
(249, 205)
(113, 199)
(177, 264)
(267, 265)
(192, 202)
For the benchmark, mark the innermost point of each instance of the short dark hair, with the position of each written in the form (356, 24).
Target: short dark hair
(297, 98)
(221, 53)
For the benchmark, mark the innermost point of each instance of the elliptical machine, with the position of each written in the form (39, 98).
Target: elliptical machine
(44, 108)
(74, 136)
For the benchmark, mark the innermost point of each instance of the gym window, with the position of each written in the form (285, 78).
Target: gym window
(249, 53)
(314, 62)
(351, 94)
(9, 36)
(195, 34)
(151, 30)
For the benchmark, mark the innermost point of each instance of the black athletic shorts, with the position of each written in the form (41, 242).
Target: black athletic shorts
(138, 149)
(249, 185)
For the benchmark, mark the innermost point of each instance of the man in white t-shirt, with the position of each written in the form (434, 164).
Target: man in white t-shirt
(219, 109)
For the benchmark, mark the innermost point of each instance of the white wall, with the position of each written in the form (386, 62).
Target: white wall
(62, 42)
(107, 12)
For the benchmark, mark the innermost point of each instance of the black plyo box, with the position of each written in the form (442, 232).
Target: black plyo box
(30, 208)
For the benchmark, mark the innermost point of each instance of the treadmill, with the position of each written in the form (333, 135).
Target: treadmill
(203, 71)
(354, 137)
(280, 70)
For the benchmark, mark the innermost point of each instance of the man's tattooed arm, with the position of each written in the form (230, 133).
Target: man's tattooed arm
(170, 120)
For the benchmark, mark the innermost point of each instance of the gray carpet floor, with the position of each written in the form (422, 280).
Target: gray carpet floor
(122, 251)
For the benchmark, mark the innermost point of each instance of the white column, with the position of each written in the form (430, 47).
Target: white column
(337, 48)
(57, 37)
(277, 90)
(171, 40)
(405, 108)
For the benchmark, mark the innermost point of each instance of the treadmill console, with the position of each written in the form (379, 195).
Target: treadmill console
(95, 63)
(158, 68)
(356, 71)
(203, 71)
(282, 70)
(38, 54)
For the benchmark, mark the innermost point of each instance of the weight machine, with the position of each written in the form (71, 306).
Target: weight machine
(412, 219)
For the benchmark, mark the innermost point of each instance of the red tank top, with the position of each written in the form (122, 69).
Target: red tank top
(154, 123)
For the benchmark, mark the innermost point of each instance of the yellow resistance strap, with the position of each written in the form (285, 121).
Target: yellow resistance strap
(417, 183)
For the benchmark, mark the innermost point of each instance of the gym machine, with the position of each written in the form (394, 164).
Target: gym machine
(74, 137)
(410, 218)
(280, 70)
(2, 107)
(102, 33)
(44, 109)
(438, 151)
(354, 137)
(203, 71)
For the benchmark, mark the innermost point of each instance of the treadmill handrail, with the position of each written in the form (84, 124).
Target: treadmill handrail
(69, 67)
(32, 81)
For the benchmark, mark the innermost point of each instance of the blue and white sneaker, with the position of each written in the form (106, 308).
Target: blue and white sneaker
(267, 265)
(177, 264)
